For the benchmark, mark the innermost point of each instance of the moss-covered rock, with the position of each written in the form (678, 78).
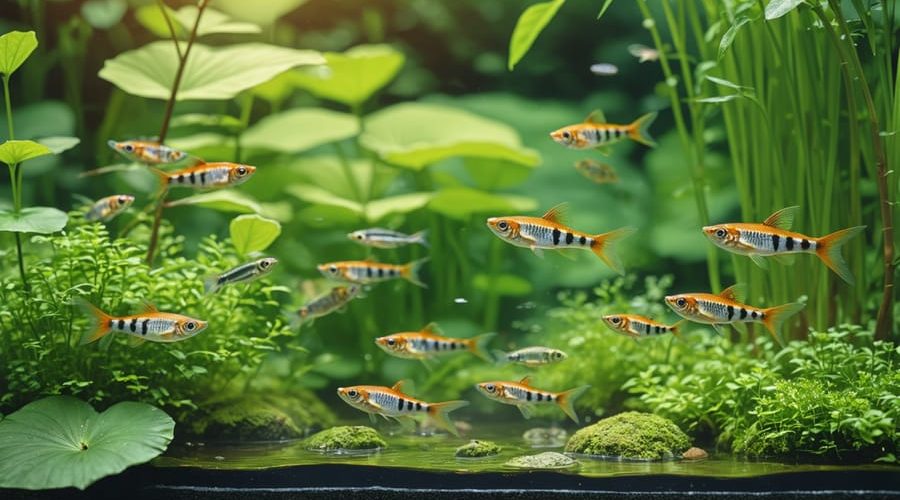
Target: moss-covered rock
(546, 460)
(478, 449)
(631, 435)
(346, 437)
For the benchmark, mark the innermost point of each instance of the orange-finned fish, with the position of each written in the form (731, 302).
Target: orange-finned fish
(389, 402)
(150, 325)
(429, 343)
(724, 308)
(593, 133)
(548, 231)
(772, 238)
(328, 302)
(531, 356)
(207, 175)
(367, 271)
(636, 326)
(149, 152)
(107, 208)
(523, 396)
(601, 173)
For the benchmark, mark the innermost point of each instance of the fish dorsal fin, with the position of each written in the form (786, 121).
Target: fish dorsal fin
(431, 328)
(782, 219)
(557, 214)
(398, 386)
(149, 308)
(596, 117)
(526, 381)
(734, 293)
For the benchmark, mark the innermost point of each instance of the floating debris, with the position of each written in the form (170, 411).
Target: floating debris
(604, 69)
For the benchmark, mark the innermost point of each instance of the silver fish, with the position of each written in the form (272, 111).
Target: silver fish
(385, 238)
(531, 356)
(244, 272)
(328, 302)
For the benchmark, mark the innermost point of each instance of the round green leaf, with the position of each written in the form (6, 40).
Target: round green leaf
(529, 26)
(41, 220)
(211, 73)
(14, 152)
(60, 441)
(253, 233)
(251, 11)
(503, 284)
(212, 22)
(15, 47)
(59, 144)
(222, 200)
(415, 135)
(353, 76)
(300, 129)
(462, 203)
(103, 14)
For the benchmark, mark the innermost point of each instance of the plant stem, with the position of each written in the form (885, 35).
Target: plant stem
(15, 184)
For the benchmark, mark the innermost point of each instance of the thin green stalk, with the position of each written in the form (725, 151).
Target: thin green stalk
(15, 181)
(348, 174)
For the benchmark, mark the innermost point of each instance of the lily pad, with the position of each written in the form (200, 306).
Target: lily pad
(353, 76)
(211, 73)
(14, 152)
(462, 203)
(15, 47)
(300, 129)
(41, 220)
(529, 26)
(60, 441)
(415, 135)
(253, 233)
(103, 14)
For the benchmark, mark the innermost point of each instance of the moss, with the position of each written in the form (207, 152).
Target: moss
(546, 460)
(630, 435)
(346, 437)
(478, 449)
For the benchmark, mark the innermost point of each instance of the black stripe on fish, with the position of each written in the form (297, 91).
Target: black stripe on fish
(203, 177)
(400, 404)
(804, 244)
(743, 313)
(368, 272)
(569, 238)
(181, 178)
(647, 328)
(775, 239)
(380, 272)
(193, 178)
(582, 241)
(418, 406)
(528, 395)
(409, 405)
(730, 312)
(436, 345)
(753, 314)
(540, 396)
(133, 325)
(789, 243)
(556, 234)
(121, 324)
(144, 326)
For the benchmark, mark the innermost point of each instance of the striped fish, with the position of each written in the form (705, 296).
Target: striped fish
(385, 238)
(207, 175)
(328, 302)
(107, 208)
(244, 272)
(523, 396)
(389, 402)
(149, 152)
(366, 271)
(150, 325)
(429, 343)
(636, 326)
(594, 133)
(600, 173)
(773, 238)
(531, 356)
(548, 232)
(724, 308)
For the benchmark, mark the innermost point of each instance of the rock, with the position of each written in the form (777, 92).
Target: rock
(695, 453)
(630, 435)
(478, 449)
(546, 460)
(269, 417)
(346, 438)
(545, 437)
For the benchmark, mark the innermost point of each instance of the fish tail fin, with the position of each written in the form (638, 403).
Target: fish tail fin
(500, 357)
(439, 413)
(211, 284)
(828, 248)
(603, 246)
(102, 322)
(775, 316)
(163, 180)
(676, 328)
(566, 401)
(639, 129)
(477, 345)
(421, 238)
(410, 272)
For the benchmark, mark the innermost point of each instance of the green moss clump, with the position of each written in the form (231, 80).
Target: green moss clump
(630, 435)
(546, 460)
(346, 437)
(270, 417)
(478, 449)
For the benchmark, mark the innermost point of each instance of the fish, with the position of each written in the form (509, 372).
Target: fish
(150, 325)
(724, 308)
(601, 173)
(244, 272)
(549, 232)
(604, 69)
(107, 208)
(385, 238)
(367, 271)
(636, 326)
(531, 356)
(390, 402)
(207, 175)
(428, 343)
(523, 396)
(773, 238)
(149, 152)
(594, 133)
(643, 53)
(328, 302)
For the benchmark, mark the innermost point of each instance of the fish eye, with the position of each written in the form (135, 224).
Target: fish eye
(391, 341)
(122, 199)
(557, 354)
(359, 237)
(264, 264)
(241, 170)
(503, 225)
(129, 148)
(615, 320)
(489, 387)
(680, 302)
(189, 326)
(566, 135)
(332, 269)
(352, 393)
(720, 233)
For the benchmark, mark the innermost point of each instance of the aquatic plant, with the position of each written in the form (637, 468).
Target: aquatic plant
(477, 449)
(630, 435)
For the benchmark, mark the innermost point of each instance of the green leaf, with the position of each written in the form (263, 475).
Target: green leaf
(503, 284)
(59, 144)
(14, 152)
(400, 204)
(60, 442)
(529, 26)
(778, 8)
(15, 47)
(462, 203)
(415, 135)
(728, 37)
(211, 73)
(606, 5)
(224, 123)
(213, 22)
(251, 11)
(103, 14)
(352, 77)
(279, 132)
(319, 196)
(41, 220)
(221, 200)
(253, 233)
